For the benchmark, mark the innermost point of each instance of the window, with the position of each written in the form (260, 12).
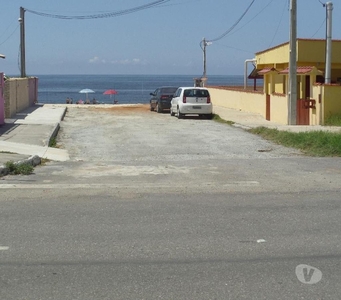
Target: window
(169, 90)
(196, 93)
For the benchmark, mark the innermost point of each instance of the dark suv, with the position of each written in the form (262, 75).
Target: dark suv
(161, 98)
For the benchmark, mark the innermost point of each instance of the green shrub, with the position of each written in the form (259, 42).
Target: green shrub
(53, 143)
(22, 168)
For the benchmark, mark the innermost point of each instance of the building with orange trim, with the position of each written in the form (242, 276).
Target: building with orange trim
(316, 100)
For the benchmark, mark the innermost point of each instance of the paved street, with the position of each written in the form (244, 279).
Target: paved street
(151, 207)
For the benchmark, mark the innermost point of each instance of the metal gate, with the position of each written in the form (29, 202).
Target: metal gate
(303, 106)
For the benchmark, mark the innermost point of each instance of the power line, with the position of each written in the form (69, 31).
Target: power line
(205, 42)
(181, 2)
(279, 23)
(102, 15)
(324, 21)
(234, 25)
(324, 5)
(10, 35)
(254, 17)
(7, 29)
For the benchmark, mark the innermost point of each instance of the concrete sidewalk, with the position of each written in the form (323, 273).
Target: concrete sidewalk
(26, 137)
(248, 120)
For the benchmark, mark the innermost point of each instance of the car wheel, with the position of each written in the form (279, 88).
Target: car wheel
(158, 108)
(209, 116)
(151, 108)
(179, 114)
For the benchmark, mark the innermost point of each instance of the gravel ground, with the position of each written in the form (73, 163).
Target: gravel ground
(134, 133)
(138, 150)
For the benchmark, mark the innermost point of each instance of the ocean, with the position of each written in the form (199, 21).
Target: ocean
(131, 89)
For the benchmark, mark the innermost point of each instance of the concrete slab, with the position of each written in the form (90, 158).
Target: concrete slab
(31, 150)
(6, 157)
(27, 135)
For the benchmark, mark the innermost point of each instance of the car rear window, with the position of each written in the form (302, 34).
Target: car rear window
(169, 90)
(196, 93)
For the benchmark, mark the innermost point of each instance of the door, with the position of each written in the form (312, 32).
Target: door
(302, 117)
(307, 87)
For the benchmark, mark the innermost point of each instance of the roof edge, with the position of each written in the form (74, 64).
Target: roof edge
(298, 39)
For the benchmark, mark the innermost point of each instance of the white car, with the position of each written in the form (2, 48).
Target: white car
(191, 100)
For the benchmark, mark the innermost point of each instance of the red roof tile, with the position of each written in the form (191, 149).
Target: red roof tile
(266, 70)
(300, 70)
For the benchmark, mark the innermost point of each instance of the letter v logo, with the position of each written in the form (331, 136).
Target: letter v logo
(308, 274)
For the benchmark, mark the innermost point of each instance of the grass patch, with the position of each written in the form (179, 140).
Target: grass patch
(314, 143)
(220, 120)
(15, 169)
(53, 143)
(334, 120)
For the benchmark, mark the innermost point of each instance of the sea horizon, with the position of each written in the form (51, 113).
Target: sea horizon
(130, 88)
(120, 74)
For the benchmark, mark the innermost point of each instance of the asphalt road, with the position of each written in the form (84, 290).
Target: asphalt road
(151, 207)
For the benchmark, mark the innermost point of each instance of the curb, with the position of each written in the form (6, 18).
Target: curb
(245, 127)
(33, 161)
(54, 133)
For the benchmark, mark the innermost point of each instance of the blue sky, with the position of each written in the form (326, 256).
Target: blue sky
(160, 40)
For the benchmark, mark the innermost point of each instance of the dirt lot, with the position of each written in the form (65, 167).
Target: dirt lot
(122, 109)
(132, 145)
(135, 133)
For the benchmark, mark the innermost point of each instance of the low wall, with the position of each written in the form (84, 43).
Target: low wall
(279, 108)
(316, 114)
(19, 94)
(328, 103)
(331, 99)
(249, 100)
(327, 97)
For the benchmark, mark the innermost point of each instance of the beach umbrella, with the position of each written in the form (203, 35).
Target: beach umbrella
(110, 92)
(86, 91)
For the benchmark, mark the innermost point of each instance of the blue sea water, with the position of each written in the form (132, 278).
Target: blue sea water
(131, 88)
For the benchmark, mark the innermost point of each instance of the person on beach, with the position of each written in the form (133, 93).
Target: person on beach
(94, 101)
(67, 100)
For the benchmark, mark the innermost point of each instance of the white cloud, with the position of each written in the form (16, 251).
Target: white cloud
(134, 61)
(96, 60)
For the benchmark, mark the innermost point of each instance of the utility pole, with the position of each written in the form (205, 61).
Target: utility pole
(204, 50)
(22, 43)
(329, 9)
(292, 100)
(204, 43)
